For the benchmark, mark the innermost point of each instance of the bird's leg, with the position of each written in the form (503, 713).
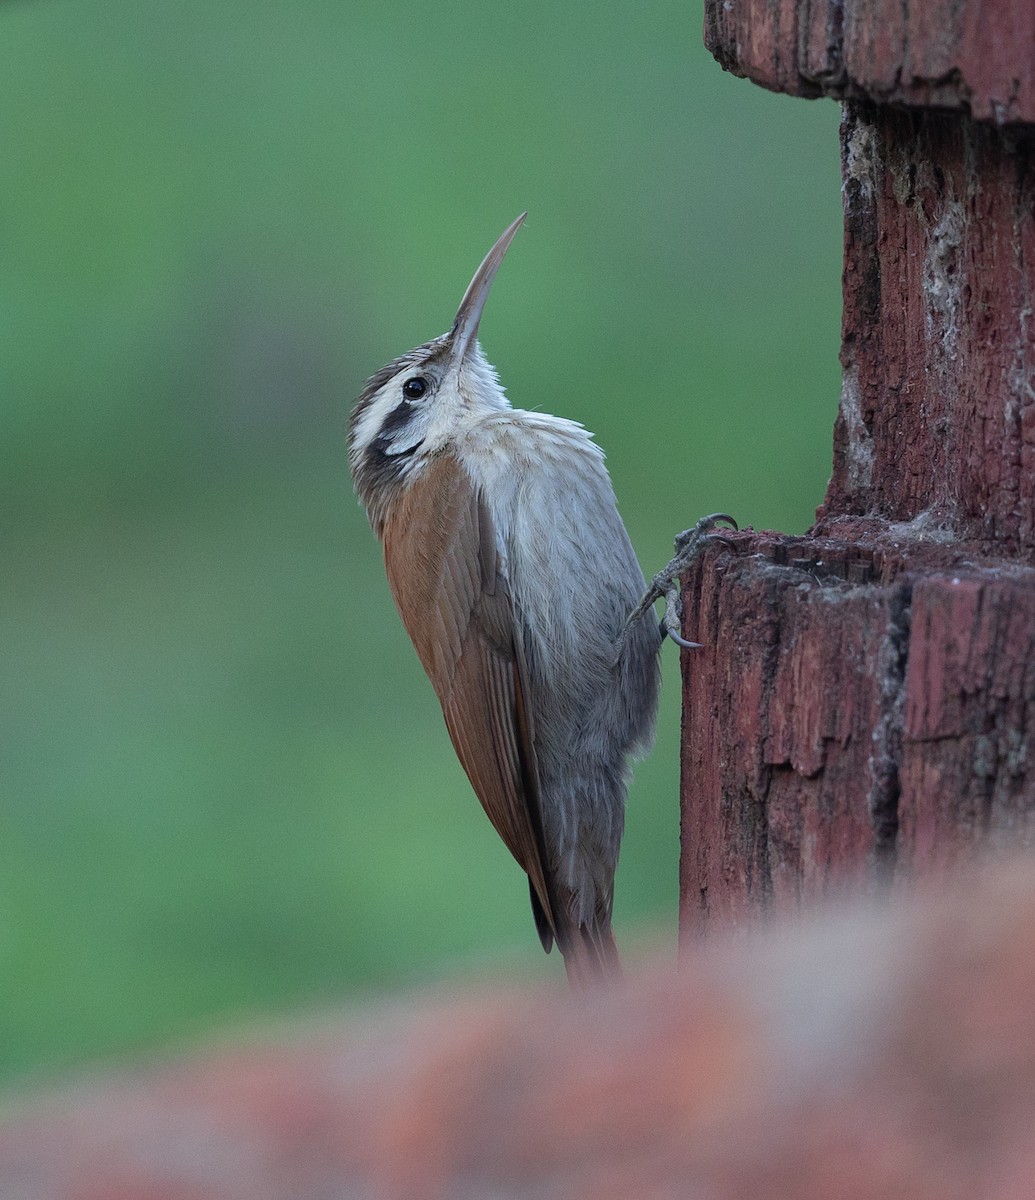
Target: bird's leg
(690, 545)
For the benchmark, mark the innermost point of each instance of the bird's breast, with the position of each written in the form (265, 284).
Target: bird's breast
(570, 567)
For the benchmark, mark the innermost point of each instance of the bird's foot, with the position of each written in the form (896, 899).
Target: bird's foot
(690, 545)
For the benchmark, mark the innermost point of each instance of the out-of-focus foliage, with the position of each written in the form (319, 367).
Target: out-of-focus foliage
(225, 784)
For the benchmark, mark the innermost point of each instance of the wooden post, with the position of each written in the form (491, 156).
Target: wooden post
(864, 710)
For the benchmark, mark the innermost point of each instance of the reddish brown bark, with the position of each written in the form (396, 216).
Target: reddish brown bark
(865, 706)
(861, 712)
(937, 417)
(977, 56)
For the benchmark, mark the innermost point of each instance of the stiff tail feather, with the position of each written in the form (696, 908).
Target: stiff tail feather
(591, 958)
(590, 953)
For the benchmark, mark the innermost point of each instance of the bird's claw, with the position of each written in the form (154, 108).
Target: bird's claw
(689, 545)
(679, 639)
(703, 526)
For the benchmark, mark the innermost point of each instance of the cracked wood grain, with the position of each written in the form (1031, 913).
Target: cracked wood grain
(937, 415)
(863, 713)
(972, 56)
(858, 716)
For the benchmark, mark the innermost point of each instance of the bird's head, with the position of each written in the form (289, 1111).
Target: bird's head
(420, 402)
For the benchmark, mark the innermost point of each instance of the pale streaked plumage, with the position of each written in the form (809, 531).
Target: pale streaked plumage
(514, 576)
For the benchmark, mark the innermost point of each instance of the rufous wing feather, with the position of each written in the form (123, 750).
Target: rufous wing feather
(444, 571)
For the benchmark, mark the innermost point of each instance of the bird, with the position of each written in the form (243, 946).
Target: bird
(518, 585)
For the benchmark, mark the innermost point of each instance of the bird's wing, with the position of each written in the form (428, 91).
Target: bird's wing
(443, 567)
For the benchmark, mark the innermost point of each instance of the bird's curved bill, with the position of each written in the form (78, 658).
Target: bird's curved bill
(465, 324)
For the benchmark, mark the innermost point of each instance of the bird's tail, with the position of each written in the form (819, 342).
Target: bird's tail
(589, 950)
(591, 957)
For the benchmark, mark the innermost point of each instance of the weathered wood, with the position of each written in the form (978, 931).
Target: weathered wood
(770, 767)
(967, 770)
(864, 712)
(974, 56)
(937, 414)
(860, 713)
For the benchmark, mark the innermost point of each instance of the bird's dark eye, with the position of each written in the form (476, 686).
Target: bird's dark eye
(414, 388)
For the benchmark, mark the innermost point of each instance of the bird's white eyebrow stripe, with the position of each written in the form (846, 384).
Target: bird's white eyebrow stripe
(371, 421)
(374, 405)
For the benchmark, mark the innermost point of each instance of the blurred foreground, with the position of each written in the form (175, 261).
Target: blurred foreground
(871, 1052)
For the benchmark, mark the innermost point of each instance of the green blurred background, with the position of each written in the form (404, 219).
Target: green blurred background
(226, 788)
